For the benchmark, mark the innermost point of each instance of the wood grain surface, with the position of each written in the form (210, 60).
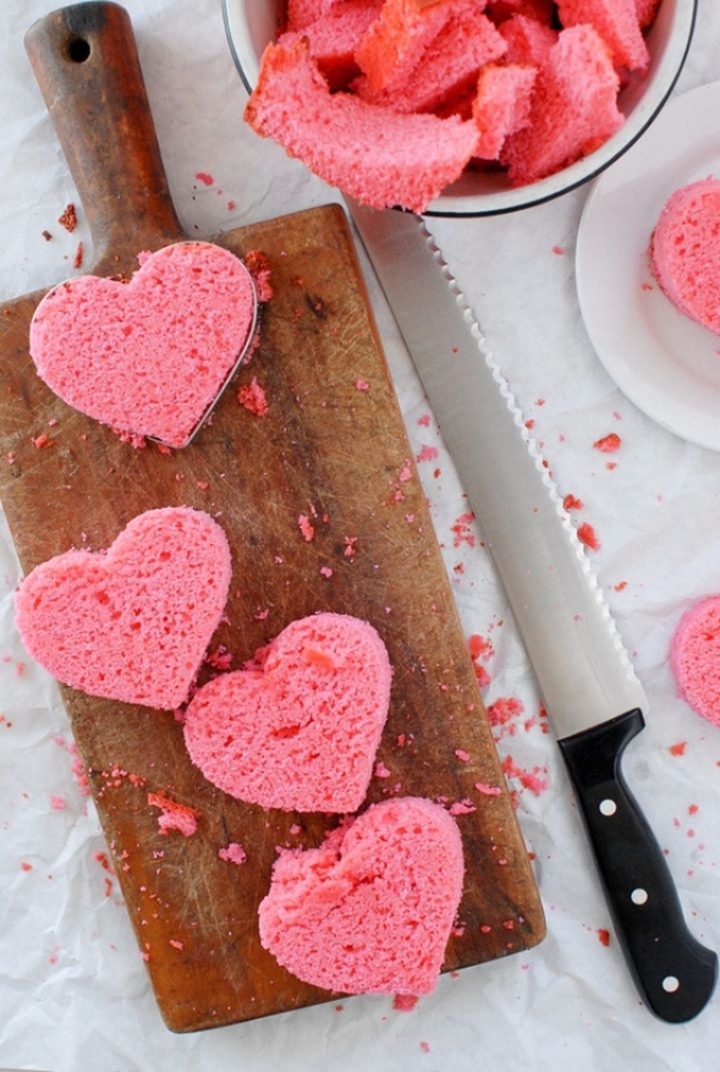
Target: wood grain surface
(325, 449)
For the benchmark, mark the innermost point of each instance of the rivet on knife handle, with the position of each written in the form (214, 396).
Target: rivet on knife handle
(583, 671)
(674, 972)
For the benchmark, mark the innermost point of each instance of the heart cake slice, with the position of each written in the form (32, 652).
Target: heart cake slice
(150, 356)
(370, 910)
(685, 251)
(299, 728)
(131, 623)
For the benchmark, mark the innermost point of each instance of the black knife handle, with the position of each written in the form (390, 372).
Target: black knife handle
(675, 974)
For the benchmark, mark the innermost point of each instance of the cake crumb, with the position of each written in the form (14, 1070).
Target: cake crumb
(306, 527)
(68, 219)
(253, 397)
(587, 536)
(608, 444)
(174, 816)
(234, 853)
(488, 790)
(405, 1002)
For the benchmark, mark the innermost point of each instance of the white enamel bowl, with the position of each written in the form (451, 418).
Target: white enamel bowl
(251, 24)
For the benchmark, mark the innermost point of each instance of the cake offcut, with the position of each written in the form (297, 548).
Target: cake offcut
(371, 909)
(375, 154)
(131, 623)
(297, 730)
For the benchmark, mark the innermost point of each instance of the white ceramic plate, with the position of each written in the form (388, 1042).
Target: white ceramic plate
(665, 363)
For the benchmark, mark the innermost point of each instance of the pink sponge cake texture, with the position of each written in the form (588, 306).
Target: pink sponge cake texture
(131, 623)
(377, 155)
(695, 657)
(370, 910)
(299, 729)
(147, 357)
(685, 251)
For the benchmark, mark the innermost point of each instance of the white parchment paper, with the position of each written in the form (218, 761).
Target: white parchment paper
(73, 989)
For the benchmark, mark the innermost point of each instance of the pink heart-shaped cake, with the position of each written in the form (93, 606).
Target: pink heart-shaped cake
(298, 729)
(685, 251)
(148, 357)
(131, 623)
(371, 910)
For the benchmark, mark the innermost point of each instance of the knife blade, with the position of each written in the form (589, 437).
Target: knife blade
(593, 698)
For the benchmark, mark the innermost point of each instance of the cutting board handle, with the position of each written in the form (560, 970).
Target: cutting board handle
(85, 61)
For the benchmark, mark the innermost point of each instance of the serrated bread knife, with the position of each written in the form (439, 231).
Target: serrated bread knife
(593, 699)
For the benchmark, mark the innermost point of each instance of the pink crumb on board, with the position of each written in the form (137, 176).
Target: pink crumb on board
(174, 816)
(488, 790)
(603, 936)
(570, 502)
(307, 530)
(678, 749)
(233, 853)
(253, 397)
(205, 178)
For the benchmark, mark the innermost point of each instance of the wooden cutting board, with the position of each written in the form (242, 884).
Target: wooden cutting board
(333, 447)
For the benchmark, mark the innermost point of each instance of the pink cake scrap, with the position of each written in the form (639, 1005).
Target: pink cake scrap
(573, 108)
(371, 910)
(375, 154)
(299, 731)
(616, 21)
(695, 658)
(502, 105)
(147, 357)
(685, 251)
(462, 42)
(131, 623)
(377, 96)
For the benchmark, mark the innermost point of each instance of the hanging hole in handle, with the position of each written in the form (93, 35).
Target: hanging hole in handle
(78, 49)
